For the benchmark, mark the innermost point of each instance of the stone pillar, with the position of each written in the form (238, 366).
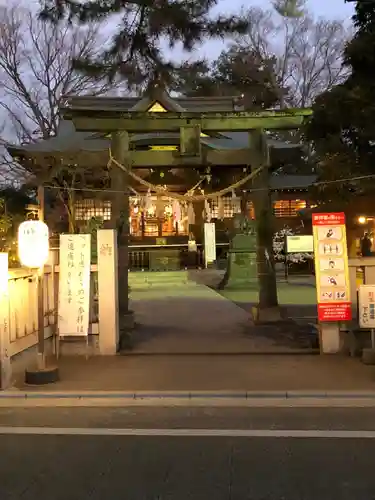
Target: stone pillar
(120, 213)
(330, 339)
(5, 364)
(264, 219)
(108, 291)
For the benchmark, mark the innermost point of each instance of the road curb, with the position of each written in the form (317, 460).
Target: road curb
(267, 352)
(16, 398)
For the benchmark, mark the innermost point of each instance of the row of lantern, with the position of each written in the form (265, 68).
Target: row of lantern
(179, 210)
(33, 235)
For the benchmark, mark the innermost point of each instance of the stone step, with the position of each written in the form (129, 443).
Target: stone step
(159, 276)
(141, 279)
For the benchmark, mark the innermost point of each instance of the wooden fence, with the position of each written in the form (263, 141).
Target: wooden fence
(23, 306)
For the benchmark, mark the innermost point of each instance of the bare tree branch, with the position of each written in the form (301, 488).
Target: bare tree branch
(308, 52)
(36, 70)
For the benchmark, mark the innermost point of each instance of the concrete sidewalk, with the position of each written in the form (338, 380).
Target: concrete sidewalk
(219, 373)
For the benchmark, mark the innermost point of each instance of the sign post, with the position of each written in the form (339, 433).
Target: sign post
(332, 277)
(209, 243)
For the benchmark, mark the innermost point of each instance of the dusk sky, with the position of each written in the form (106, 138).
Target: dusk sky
(324, 8)
(329, 9)
(332, 9)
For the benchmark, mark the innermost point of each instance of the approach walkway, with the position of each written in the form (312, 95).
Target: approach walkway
(176, 314)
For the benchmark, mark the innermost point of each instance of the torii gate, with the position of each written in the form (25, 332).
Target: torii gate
(110, 116)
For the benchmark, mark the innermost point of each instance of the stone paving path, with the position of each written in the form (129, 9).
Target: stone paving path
(189, 317)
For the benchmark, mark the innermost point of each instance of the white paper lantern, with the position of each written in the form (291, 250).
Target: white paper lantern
(33, 244)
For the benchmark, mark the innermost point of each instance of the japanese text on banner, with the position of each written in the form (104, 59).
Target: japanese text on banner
(74, 284)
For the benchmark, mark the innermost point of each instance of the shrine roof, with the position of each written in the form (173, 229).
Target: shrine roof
(68, 139)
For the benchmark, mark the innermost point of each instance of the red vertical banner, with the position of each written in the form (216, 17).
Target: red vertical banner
(331, 267)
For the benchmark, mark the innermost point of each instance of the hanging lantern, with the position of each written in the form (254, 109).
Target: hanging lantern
(33, 243)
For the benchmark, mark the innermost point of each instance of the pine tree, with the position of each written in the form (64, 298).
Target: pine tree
(342, 128)
(135, 49)
(360, 52)
(289, 8)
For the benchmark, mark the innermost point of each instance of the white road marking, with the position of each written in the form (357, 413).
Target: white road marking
(235, 433)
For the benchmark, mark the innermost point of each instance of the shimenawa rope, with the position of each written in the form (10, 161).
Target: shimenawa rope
(184, 197)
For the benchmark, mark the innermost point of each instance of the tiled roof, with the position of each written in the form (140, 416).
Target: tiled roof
(68, 139)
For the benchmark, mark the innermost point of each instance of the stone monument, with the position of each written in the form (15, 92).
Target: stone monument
(242, 260)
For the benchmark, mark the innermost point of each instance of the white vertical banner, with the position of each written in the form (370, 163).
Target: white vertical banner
(209, 243)
(5, 364)
(108, 291)
(74, 284)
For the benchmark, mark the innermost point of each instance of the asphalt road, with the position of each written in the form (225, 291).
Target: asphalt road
(164, 467)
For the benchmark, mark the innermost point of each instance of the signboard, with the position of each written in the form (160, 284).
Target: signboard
(366, 306)
(331, 267)
(74, 284)
(209, 243)
(300, 244)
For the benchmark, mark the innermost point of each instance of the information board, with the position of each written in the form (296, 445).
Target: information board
(366, 306)
(300, 244)
(74, 284)
(331, 267)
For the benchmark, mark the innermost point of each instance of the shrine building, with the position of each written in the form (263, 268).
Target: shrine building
(154, 219)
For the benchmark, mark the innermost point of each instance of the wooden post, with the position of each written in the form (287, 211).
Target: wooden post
(41, 202)
(199, 221)
(108, 292)
(120, 213)
(244, 201)
(41, 362)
